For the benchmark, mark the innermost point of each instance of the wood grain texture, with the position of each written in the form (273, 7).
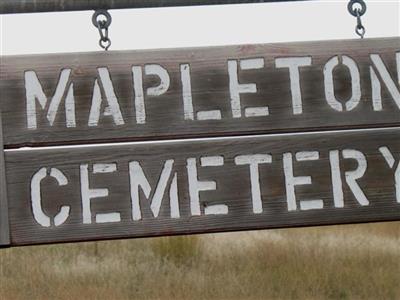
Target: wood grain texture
(33, 6)
(232, 185)
(210, 91)
(4, 226)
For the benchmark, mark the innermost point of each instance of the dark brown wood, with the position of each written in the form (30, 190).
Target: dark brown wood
(186, 180)
(210, 91)
(233, 184)
(32, 6)
(4, 226)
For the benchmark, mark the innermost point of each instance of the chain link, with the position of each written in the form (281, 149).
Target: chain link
(102, 26)
(358, 13)
(360, 29)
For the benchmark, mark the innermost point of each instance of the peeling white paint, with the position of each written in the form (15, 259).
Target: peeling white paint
(36, 198)
(387, 79)
(87, 194)
(138, 180)
(391, 161)
(196, 186)
(34, 91)
(353, 176)
(254, 161)
(330, 87)
(294, 64)
(237, 88)
(112, 108)
(292, 181)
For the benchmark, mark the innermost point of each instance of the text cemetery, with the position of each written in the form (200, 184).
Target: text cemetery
(167, 185)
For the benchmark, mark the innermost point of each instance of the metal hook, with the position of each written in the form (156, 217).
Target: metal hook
(353, 10)
(105, 44)
(358, 13)
(102, 26)
(360, 29)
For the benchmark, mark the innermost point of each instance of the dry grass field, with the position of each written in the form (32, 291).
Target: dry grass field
(337, 262)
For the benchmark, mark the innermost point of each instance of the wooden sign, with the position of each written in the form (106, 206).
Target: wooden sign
(135, 144)
(207, 185)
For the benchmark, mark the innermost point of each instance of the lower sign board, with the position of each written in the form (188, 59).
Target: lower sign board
(75, 193)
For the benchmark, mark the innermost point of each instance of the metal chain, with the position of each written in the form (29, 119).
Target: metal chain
(358, 13)
(102, 26)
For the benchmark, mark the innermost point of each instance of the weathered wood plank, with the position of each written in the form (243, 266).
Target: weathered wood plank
(197, 85)
(33, 6)
(4, 226)
(353, 179)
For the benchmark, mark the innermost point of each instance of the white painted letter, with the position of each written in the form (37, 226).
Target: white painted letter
(112, 108)
(162, 73)
(352, 176)
(162, 88)
(138, 179)
(291, 181)
(188, 101)
(87, 194)
(254, 161)
(196, 186)
(236, 88)
(387, 79)
(187, 92)
(355, 83)
(36, 198)
(392, 164)
(139, 95)
(34, 91)
(337, 185)
(293, 64)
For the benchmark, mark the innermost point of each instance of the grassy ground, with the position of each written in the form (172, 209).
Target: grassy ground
(339, 262)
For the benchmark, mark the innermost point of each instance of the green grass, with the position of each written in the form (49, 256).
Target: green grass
(338, 262)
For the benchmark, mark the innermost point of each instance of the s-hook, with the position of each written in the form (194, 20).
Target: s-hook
(102, 20)
(358, 12)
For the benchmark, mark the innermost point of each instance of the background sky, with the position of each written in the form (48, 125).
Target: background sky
(197, 26)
